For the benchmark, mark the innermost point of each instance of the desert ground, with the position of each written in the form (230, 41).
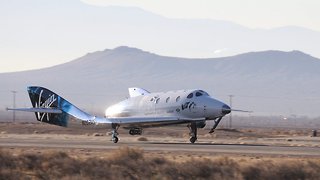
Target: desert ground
(242, 145)
(171, 142)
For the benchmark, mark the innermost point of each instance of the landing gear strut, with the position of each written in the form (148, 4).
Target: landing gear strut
(114, 132)
(193, 132)
(216, 122)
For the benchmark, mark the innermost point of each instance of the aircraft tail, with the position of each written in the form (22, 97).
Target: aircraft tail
(53, 109)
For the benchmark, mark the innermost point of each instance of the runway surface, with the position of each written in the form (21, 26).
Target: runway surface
(104, 143)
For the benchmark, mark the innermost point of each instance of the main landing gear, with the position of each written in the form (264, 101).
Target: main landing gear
(114, 132)
(193, 132)
(135, 131)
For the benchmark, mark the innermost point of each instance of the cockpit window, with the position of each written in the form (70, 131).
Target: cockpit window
(198, 94)
(190, 96)
(178, 98)
(204, 93)
(167, 100)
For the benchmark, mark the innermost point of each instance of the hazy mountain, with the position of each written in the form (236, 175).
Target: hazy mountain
(95, 27)
(269, 82)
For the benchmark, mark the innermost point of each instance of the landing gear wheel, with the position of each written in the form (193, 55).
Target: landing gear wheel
(193, 139)
(115, 139)
(115, 128)
(193, 132)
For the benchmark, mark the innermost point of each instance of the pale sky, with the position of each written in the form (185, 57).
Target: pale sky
(38, 33)
(250, 13)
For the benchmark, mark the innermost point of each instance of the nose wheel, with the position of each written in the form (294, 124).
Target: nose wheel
(193, 132)
(193, 139)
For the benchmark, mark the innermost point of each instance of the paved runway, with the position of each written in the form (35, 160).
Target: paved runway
(102, 143)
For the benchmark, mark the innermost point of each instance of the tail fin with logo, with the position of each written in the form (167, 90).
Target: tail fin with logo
(51, 108)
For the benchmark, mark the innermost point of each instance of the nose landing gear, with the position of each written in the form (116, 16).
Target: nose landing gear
(216, 122)
(193, 132)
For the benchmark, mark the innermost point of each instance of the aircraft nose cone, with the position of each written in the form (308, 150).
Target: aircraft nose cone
(226, 109)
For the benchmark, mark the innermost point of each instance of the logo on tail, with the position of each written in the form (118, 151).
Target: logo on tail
(46, 104)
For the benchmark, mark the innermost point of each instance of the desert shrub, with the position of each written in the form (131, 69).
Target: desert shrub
(124, 163)
(196, 169)
(226, 168)
(298, 170)
(223, 168)
(60, 164)
(30, 161)
(290, 171)
(9, 174)
(258, 170)
(6, 160)
(157, 161)
(96, 169)
(312, 169)
(286, 169)
(126, 152)
(130, 163)
(142, 139)
(251, 172)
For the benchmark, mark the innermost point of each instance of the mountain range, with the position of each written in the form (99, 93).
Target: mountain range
(267, 82)
(88, 28)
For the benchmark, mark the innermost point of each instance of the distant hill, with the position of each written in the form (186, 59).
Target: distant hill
(268, 82)
(68, 30)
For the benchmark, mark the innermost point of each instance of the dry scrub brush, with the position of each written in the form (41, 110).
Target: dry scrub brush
(130, 163)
